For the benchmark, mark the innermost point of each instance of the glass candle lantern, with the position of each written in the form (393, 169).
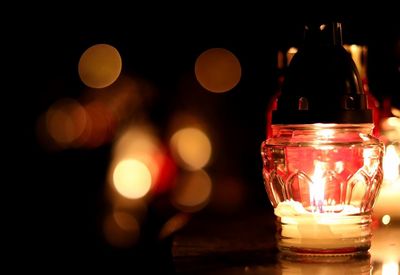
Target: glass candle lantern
(322, 168)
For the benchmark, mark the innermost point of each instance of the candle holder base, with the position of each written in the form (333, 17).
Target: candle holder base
(360, 263)
(332, 236)
(323, 252)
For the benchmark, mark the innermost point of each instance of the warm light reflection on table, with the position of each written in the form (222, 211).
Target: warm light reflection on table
(385, 250)
(245, 245)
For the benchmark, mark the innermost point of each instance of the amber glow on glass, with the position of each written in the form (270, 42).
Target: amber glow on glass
(358, 54)
(324, 178)
(218, 70)
(99, 66)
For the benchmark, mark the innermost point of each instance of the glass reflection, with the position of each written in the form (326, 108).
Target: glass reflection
(385, 249)
(359, 264)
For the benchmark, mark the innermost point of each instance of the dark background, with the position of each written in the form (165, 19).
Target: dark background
(58, 196)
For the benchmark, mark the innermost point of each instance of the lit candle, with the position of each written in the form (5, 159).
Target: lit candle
(327, 230)
(322, 166)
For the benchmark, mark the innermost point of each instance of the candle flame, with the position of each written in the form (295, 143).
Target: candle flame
(317, 188)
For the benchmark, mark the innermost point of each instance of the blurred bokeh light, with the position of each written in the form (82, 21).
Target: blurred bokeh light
(218, 70)
(192, 191)
(100, 125)
(93, 119)
(99, 66)
(121, 229)
(391, 164)
(66, 121)
(386, 219)
(390, 268)
(175, 223)
(140, 143)
(191, 148)
(132, 178)
(290, 53)
(387, 202)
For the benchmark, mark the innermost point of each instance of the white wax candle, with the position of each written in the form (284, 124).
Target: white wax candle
(325, 230)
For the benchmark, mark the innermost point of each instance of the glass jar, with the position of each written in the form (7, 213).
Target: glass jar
(322, 180)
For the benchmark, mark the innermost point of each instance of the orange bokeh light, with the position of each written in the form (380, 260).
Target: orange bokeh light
(99, 66)
(191, 147)
(192, 191)
(218, 70)
(66, 121)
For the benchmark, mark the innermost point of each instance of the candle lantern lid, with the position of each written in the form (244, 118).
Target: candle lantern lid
(322, 84)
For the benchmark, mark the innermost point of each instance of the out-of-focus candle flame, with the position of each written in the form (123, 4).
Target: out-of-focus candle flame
(141, 144)
(389, 195)
(391, 164)
(65, 121)
(125, 221)
(192, 191)
(192, 148)
(100, 125)
(99, 66)
(393, 122)
(390, 268)
(121, 229)
(395, 111)
(174, 224)
(290, 53)
(386, 219)
(132, 178)
(218, 70)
